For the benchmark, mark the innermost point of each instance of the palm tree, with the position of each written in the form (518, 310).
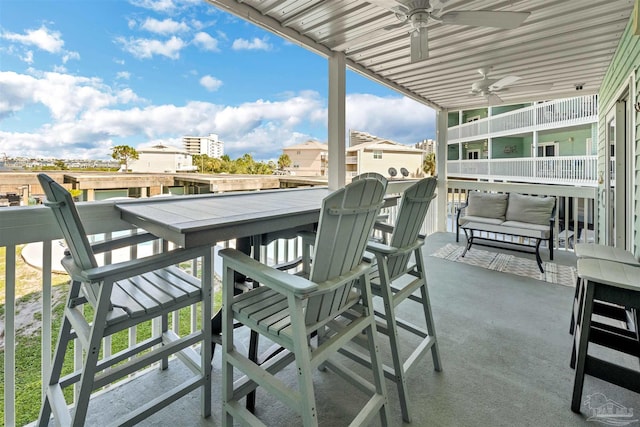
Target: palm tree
(429, 164)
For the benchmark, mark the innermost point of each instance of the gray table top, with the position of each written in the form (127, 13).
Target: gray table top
(207, 219)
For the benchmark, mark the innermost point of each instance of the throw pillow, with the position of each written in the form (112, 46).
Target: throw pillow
(531, 209)
(487, 205)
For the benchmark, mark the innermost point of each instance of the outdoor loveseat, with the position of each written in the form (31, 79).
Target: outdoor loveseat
(486, 218)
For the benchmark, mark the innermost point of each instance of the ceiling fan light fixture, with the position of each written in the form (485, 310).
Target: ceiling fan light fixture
(419, 44)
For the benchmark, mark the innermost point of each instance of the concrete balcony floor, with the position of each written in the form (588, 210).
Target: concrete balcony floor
(505, 350)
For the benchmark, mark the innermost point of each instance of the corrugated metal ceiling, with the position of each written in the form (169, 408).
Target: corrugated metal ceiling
(561, 43)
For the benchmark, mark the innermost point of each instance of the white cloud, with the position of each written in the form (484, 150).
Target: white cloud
(156, 5)
(70, 55)
(123, 75)
(65, 96)
(42, 38)
(88, 117)
(165, 6)
(167, 26)
(210, 83)
(399, 118)
(206, 42)
(28, 57)
(146, 48)
(255, 44)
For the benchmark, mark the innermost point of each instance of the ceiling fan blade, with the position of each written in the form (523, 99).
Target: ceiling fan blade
(395, 26)
(419, 44)
(505, 81)
(528, 88)
(494, 99)
(485, 18)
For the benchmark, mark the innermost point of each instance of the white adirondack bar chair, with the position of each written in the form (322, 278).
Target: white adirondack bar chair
(123, 295)
(398, 275)
(288, 309)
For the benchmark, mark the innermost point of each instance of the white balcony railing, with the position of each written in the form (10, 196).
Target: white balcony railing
(547, 115)
(23, 225)
(563, 170)
(576, 219)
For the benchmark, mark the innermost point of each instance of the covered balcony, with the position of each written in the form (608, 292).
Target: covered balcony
(519, 345)
(504, 338)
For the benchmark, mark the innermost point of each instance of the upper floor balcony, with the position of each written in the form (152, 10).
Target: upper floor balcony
(563, 170)
(555, 114)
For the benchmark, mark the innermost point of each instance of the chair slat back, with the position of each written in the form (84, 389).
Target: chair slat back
(374, 175)
(66, 214)
(346, 221)
(414, 205)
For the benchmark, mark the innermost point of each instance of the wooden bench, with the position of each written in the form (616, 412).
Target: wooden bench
(507, 214)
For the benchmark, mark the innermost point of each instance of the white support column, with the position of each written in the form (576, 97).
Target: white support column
(441, 168)
(336, 119)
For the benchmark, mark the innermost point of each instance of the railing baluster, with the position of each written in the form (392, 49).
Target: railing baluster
(47, 319)
(10, 337)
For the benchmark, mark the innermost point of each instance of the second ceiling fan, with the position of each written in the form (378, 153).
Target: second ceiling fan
(490, 87)
(416, 14)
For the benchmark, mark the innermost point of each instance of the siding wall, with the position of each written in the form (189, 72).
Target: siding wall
(411, 161)
(625, 64)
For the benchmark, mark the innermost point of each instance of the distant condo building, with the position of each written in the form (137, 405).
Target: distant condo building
(428, 145)
(209, 145)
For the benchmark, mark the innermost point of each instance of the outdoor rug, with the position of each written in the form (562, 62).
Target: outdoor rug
(553, 273)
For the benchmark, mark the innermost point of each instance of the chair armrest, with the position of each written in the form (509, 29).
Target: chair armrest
(382, 249)
(122, 242)
(265, 275)
(459, 210)
(134, 267)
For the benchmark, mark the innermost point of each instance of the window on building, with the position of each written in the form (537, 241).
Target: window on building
(548, 149)
(298, 152)
(377, 154)
(473, 154)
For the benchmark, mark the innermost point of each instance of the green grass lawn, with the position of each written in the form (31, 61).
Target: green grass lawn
(28, 341)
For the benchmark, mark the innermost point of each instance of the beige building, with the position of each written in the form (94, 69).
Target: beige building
(307, 159)
(367, 153)
(162, 158)
(385, 157)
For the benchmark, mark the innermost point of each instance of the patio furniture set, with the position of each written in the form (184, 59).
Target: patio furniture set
(486, 217)
(322, 308)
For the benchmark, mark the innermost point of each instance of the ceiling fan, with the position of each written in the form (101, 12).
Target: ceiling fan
(416, 14)
(491, 87)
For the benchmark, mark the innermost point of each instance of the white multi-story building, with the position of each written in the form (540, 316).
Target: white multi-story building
(209, 145)
(162, 158)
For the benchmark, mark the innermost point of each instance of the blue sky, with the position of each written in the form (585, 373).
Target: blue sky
(79, 77)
